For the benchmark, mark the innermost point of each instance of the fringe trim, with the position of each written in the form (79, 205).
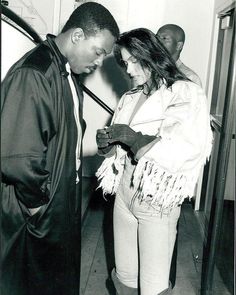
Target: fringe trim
(109, 174)
(158, 187)
(161, 189)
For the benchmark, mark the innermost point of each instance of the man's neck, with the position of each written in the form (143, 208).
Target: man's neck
(175, 56)
(61, 43)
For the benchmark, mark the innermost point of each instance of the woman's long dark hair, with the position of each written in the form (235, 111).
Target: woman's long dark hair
(151, 54)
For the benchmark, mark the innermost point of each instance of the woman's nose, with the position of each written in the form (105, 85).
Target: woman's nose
(128, 69)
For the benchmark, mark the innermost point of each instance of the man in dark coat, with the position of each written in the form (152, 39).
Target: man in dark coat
(41, 132)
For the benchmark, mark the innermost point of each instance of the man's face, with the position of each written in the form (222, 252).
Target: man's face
(168, 39)
(89, 52)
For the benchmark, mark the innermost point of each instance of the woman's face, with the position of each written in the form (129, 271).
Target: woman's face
(137, 73)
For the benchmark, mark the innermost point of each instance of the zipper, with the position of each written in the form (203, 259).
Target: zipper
(133, 200)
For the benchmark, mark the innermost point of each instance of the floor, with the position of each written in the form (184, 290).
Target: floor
(98, 257)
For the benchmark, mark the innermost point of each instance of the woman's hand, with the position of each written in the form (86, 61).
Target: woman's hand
(102, 138)
(121, 133)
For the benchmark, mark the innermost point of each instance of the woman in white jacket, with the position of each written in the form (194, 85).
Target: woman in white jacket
(159, 139)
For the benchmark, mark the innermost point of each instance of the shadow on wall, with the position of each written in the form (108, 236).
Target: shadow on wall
(112, 75)
(115, 76)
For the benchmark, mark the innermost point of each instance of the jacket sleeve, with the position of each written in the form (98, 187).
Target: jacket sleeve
(185, 130)
(27, 126)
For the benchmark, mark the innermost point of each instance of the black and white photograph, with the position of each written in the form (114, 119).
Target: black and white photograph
(118, 147)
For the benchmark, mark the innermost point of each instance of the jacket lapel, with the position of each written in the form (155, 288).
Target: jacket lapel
(151, 110)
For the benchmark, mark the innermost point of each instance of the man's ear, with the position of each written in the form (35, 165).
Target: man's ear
(77, 35)
(180, 45)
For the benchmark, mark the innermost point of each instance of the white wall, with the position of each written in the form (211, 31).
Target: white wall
(9, 38)
(195, 17)
(38, 14)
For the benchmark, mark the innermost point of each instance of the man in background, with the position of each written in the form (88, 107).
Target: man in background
(41, 134)
(173, 38)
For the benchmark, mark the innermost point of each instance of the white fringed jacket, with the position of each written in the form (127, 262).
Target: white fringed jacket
(167, 170)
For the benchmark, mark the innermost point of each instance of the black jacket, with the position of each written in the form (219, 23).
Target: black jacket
(40, 254)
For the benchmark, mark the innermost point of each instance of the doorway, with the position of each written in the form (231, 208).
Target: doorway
(218, 192)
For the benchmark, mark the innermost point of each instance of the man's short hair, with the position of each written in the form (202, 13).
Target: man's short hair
(177, 30)
(92, 17)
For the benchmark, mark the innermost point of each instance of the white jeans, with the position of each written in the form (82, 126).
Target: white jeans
(143, 240)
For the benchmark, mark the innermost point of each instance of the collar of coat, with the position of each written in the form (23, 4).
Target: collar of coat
(60, 58)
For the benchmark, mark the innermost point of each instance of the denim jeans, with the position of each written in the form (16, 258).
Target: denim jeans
(143, 239)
